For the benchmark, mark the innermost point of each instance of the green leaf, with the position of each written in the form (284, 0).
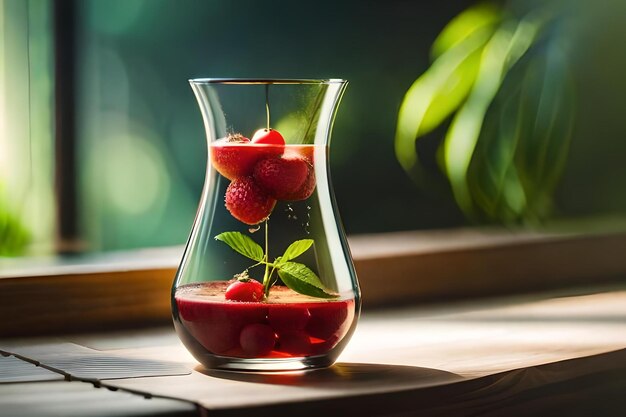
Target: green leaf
(301, 279)
(549, 102)
(504, 49)
(242, 244)
(524, 139)
(464, 25)
(296, 249)
(492, 177)
(14, 237)
(436, 95)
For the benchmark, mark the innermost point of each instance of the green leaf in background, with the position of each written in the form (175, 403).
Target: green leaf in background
(242, 244)
(14, 237)
(296, 249)
(507, 83)
(471, 20)
(503, 50)
(524, 141)
(547, 97)
(442, 88)
(301, 279)
(492, 178)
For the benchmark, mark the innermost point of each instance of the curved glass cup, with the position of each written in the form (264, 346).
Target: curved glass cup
(267, 281)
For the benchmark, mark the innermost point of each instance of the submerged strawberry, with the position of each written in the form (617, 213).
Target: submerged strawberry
(295, 342)
(235, 156)
(284, 318)
(281, 177)
(248, 202)
(257, 339)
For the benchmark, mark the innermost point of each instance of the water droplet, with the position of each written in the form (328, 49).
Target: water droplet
(308, 207)
(254, 229)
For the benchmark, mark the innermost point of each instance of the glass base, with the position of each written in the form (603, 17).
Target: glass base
(266, 365)
(212, 361)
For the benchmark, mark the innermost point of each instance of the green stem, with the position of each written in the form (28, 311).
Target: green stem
(256, 264)
(271, 274)
(266, 276)
(267, 105)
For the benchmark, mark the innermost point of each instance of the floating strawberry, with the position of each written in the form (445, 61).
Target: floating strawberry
(303, 151)
(248, 202)
(281, 177)
(306, 189)
(235, 156)
(245, 289)
(268, 137)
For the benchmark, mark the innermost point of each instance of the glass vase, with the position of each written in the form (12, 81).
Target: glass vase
(267, 281)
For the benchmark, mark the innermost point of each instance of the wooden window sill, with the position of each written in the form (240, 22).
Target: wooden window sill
(129, 289)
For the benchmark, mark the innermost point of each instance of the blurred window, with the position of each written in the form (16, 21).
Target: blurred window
(129, 155)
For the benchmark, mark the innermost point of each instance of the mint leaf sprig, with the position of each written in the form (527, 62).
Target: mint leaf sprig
(296, 276)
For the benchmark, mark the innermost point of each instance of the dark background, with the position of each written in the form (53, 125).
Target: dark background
(137, 139)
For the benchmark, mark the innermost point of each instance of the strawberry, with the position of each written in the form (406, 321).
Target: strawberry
(331, 320)
(305, 190)
(257, 339)
(284, 318)
(268, 137)
(247, 202)
(281, 177)
(303, 151)
(217, 326)
(235, 156)
(295, 343)
(245, 289)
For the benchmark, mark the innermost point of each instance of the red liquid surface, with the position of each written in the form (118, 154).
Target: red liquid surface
(286, 325)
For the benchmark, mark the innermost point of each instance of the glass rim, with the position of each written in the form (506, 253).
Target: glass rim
(262, 81)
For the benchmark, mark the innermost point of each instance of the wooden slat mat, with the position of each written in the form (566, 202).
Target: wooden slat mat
(13, 369)
(79, 362)
(77, 399)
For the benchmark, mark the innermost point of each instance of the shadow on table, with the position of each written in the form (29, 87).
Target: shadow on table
(588, 386)
(348, 377)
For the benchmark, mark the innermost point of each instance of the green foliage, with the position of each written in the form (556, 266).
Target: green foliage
(482, 17)
(296, 249)
(523, 146)
(301, 279)
(242, 244)
(296, 276)
(435, 95)
(14, 237)
(510, 103)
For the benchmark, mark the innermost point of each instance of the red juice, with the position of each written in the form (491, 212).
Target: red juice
(285, 325)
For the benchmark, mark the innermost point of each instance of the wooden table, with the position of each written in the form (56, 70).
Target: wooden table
(536, 355)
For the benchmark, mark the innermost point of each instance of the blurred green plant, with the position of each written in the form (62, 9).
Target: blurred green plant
(504, 83)
(14, 237)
